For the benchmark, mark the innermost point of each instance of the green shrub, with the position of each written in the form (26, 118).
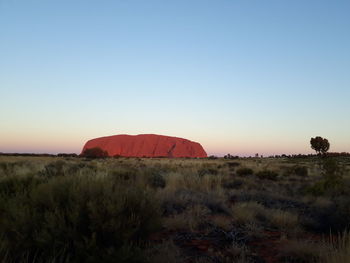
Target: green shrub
(235, 184)
(327, 186)
(7, 168)
(95, 152)
(244, 171)
(332, 182)
(300, 171)
(267, 174)
(233, 164)
(331, 168)
(124, 174)
(89, 220)
(157, 181)
(53, 169)
(11, 186)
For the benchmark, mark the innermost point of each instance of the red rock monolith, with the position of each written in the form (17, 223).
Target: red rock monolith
(147, 145)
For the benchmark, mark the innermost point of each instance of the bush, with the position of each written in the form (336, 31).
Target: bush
(233, 164)
(244, 171)
(300, 171)
(332, 182)
(157, 181)
(67, 155)
(235, 184)
(53, 169)
(123, 174)
(95, 152)
(229, 156)
(10, 186)
(7, 168)
(331, 168)
(90, 220)
(267, 174)
(204, 171)
(330, 186)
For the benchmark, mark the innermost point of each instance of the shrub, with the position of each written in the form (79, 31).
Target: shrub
(331, 186)
(235, 184)
(331, 168)
(204, 171)
(95, 152)
(67, 155)
(336, 217)
(245, 212)
(190, 219)
(233, 165)
(244, 171)
(157, 181)
(7, 168)
(332, 182)
(300, 171)
(229, 156)
(10, 186)
(267, 174)
(90, 220)
(53, 169)
(123, 174)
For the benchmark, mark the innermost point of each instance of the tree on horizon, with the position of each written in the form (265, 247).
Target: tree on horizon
(320, 145)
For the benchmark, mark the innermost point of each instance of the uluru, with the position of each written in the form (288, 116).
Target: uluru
(147, 145)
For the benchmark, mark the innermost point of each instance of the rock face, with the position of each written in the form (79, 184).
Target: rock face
(147, 145)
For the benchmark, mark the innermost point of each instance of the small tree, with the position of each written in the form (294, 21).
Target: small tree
(319, 144)
(95, 152)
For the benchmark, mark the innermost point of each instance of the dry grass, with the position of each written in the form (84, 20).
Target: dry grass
(204, 196)
(340, 249)
(190, 219)
(246, 212)
(283, 220)
(301, 251)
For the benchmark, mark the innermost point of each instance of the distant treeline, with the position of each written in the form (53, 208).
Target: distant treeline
(41, 154)
(228, 156)
(330, 154)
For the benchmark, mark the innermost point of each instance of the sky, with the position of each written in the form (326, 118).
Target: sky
(237, 76)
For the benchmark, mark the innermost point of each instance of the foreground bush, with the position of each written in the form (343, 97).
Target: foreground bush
(300, 170)
(267, 174)
(332, 182)
(77, 220)
(95, 152)
(157, 181)
(244, 171)
(331, 169)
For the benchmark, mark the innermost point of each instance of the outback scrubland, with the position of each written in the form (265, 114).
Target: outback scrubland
(66, 209)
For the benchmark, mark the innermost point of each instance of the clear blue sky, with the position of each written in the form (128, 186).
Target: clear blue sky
(237, 76)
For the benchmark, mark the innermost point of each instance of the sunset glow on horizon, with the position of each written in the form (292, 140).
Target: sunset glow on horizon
(239, 77)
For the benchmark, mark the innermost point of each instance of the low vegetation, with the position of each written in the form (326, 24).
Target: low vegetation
(98, 209)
